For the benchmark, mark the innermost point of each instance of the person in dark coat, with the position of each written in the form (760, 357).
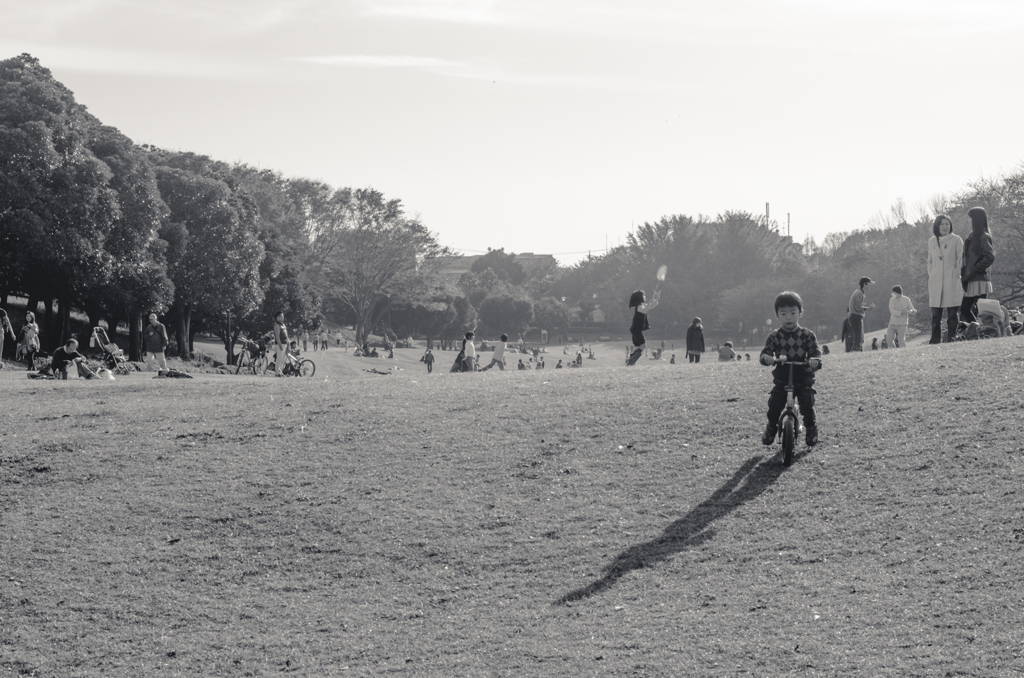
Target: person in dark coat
(641, 307)
(979, 255)
(695, 341)
(154, 343)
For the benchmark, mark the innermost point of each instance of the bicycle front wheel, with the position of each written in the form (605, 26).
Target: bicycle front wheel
(788, 440)
(307, 368)
(240, 362)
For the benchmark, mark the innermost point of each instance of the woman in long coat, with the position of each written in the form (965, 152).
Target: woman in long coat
(695, 341)
(945, 256)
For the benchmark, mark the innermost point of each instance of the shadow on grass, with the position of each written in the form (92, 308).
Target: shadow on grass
(750, 480)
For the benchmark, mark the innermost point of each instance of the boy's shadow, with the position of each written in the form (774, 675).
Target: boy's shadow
(693, 529)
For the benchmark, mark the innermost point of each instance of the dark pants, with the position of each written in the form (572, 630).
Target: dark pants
(30, 358)
(967, 308)
(804, 397)
(952, 318)
(849, 342)
(857, 326)
(695, 357)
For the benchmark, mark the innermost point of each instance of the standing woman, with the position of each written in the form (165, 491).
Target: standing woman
(30, 339)
(638, 302)
(979, 255)
(945, 257)
(695, 341)
(5, 329)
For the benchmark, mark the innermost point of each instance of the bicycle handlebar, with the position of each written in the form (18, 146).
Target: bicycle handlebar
(776, 361)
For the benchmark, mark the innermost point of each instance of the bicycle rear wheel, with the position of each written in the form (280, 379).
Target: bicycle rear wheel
(306, 368)
(788, 440)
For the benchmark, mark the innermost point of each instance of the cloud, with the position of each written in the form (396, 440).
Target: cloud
(471, 71)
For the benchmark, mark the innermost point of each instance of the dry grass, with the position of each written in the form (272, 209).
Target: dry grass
(593, 522)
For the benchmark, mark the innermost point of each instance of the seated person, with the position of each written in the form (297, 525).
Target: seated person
(374, 354)
(64, 356)
(521, 365)
(726, 354)
(557, 367)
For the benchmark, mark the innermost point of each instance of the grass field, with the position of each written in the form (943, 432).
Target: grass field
(595, 522)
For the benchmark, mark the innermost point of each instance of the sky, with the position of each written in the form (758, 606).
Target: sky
(557, 126)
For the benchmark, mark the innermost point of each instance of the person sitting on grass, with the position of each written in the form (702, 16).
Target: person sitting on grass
(726, 353)
(791, 342)
(522, 366)
(64, 356)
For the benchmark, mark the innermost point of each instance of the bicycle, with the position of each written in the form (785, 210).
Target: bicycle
(789, 426)
(295, 367)
(253, 355)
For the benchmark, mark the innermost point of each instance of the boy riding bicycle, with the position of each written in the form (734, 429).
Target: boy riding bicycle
(791, 342)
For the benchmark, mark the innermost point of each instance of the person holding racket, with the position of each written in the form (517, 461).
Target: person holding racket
(640, 306)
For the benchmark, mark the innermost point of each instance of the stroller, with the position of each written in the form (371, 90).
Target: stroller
(990, 318)
(114, 358)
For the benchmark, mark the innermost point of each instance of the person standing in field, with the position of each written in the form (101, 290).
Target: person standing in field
(280, 344)
(900, 310)
(979, 255)
(857, 311)
(305, 340)
(154, 343)
(5, 330)
(945, 257)
(428, 360)
(695, 341)
(638, 303)
(30, 339)
(468, 353)
(499, 355)
(323, 340)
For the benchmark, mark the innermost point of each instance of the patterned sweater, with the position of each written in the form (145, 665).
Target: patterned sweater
(798, 345)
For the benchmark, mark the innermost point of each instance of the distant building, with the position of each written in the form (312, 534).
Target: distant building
(457, 266)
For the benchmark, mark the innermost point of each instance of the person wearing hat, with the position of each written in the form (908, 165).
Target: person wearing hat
(857, 310)
(695, 341)
(900, 310)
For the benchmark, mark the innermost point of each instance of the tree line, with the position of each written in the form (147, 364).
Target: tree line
(91, 222)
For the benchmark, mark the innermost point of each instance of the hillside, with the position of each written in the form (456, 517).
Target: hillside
(603, 522)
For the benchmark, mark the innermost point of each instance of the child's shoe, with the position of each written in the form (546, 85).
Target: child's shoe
(812, 436)
(770, 431)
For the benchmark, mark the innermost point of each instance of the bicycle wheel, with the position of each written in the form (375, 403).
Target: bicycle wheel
(306, 368)
(788, 440)
(240, 361)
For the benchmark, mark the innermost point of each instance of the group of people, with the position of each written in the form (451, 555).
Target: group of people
(959, 276)
(154, 346)
(319, 339)
(26, 341)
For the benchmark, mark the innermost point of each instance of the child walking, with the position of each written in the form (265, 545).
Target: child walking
(638, 302)
(499, 355)
(900, 310)
(791, 342)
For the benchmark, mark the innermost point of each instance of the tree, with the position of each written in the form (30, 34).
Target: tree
(381, 257)
(216, 254)
(504, 266)
(506, 314)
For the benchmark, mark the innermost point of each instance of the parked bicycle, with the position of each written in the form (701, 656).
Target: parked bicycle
(295, 367)
(253, 357)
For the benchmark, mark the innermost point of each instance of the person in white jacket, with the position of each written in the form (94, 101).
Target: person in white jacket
(945, 256)
(900, 310)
